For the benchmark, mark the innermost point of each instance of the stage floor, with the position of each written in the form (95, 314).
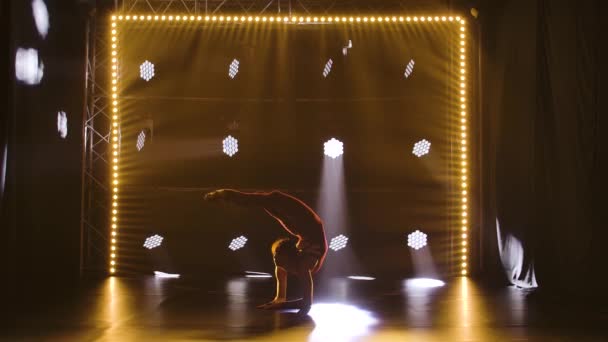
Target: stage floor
(150, 309)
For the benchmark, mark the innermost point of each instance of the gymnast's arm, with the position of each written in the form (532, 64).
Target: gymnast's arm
(261, 199)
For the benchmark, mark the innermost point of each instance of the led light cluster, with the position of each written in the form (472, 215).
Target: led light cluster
(285, 19)
(114, 145)
(233, 69)
(146, 70)
(463, 146)
(141, 140)
(153, 241)
(421, 148)
(237, 243)
(230, 146)
(416, 240)
(327, 68)
(409, 69)
(338, 242)
(333, 148)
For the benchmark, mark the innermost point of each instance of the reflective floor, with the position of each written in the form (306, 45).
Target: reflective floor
(152, 309)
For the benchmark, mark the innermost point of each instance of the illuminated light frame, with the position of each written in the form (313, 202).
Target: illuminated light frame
(460, 23)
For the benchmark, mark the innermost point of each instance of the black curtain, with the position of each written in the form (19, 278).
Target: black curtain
(544, 92)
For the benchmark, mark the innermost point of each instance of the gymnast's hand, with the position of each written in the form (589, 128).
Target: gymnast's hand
(214, 196)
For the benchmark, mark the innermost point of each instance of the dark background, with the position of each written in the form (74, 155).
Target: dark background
(541, 140)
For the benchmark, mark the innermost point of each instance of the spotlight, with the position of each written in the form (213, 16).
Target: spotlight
(233, 69)
(423, 283)
(338, 242)
(41, 17)
(333, 148)
(153, 241)
(416, 240)
(159, 274)
(327, 68)
(361, 278)
(28, 68)
(146, 70)
(409, 69)
(141, 140)
(237, 243)
(421, 148)
(348, 46)
(62, 124)
(230, 146)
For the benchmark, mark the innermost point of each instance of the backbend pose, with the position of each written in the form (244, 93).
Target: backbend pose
(302, 254)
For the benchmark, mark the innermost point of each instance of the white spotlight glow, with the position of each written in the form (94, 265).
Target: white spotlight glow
(361, 278)
(41, 17)
(423, 283)
(146, 70)
(62, 124)
(141, 140)
(159, 274)
(416, 240)
(421, 148)
(233, 69)
(339, 322)
(153, 241)
(338, 242)
(409, 69)
(327, 68)
(333, 148)
(237, 243)
(28, 68)
(230, 146)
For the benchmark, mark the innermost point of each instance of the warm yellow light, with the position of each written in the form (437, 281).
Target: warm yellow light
(436, 19)
(214, 18)
(286, 19)
(185, 17)
(464, 221)
(457, 18)
(351, 19)
(115, 182)
(394, 19)
(464, 207)
(422, 19)
(114, 233)
(464, 250)
(114, 219)
(112, 270)
(113, 248)
(114, 211)
(112, 263)
(408, 19)
(358, 19)
(221, 18)
(330, 19)
(429, 19)
(372, 19)
(315, 19)
(337, 19)
(115, 160)
(199, 18)
(364, 19)
(271, 19)
(401, 19)
(191, 17)
(464, 257)
(308, 19)
(415, 18)
(464, 163)
(141, 17)
(464, 228)
(462, 42)
(301, 19)
(343, 19)
(113, 241)
(379, 19)
(128, 17)
(113, 25)
(464, 264)
(115, 124)
(113, 255)
(386, 19)
(451, 18)
(250, 18)
(464, 272)
(464, 192)
(464, 243)
(264, 19)
(463, 184)
(235, 18)
(115, 167)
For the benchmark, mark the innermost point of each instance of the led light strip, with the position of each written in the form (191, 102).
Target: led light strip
(294, 19)
(285, 19)
(463, 147)
(113, 264)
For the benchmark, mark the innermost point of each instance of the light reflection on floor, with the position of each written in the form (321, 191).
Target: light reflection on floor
(339, 322)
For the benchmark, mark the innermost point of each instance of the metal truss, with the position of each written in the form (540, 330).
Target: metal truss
(96, 151)
(276, 6)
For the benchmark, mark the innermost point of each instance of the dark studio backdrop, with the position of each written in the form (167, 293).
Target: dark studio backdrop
(542, 153)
